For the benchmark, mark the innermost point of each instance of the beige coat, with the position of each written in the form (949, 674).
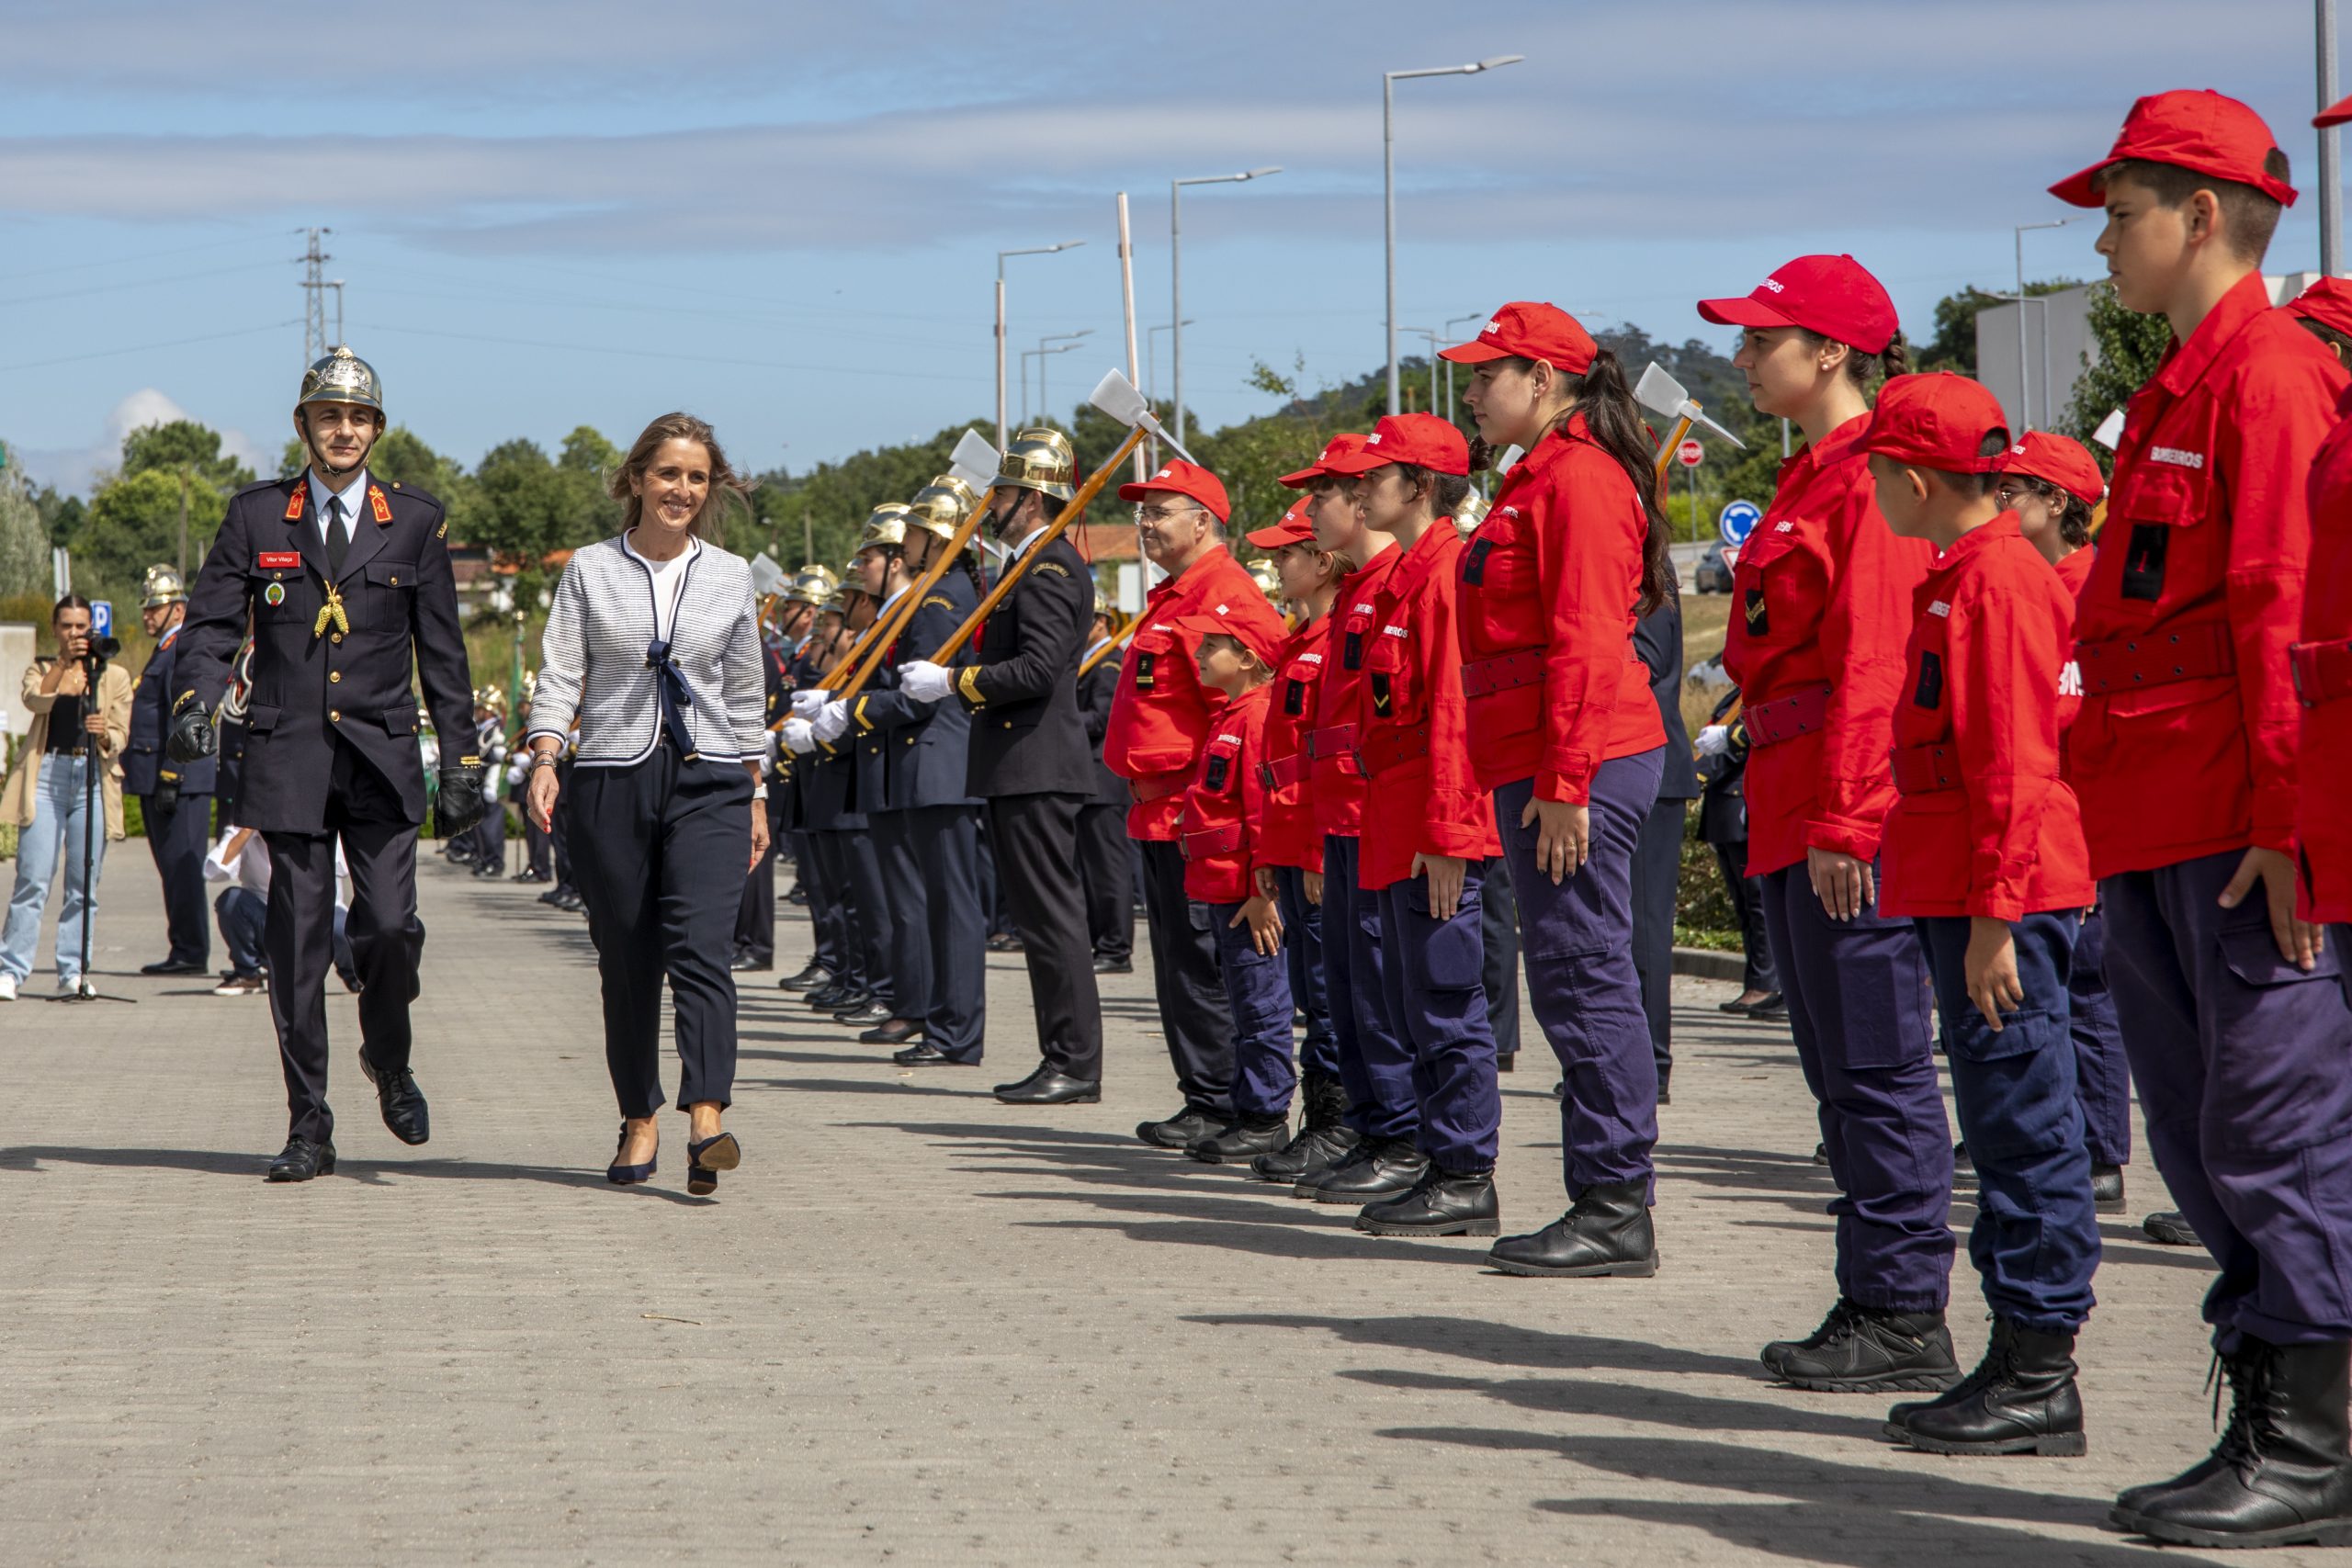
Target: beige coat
(20, 793)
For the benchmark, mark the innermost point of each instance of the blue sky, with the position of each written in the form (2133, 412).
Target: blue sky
(784, 216)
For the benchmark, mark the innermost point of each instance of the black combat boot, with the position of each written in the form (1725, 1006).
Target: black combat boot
(1323, 1133)
(2021, 1399)
(1245, 1140)
(1443, 1202)
(2281, 1475)
(1862, 1350)
(1606, 1231)
(1382, 1167)
(2107, 1188)
(1314, 1176)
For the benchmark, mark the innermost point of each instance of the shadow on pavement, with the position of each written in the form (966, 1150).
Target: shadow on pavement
(255, 1168)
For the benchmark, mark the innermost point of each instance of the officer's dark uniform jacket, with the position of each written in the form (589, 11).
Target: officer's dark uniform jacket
(911, 753)
(1027, 735)
(347, 677)
(1095, 691)
(145, 763)
(1722, 810)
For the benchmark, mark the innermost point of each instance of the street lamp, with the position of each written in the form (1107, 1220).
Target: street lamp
(2331, 222)
(1151, 358)
(1068, 341)
(1176, 272)
(1031, 251)
(1430, 334)
(1388, 80)
(1449, 364)
(2025, 401)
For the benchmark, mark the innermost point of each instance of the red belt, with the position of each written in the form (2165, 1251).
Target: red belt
(2322, 671)
(1785, 718)
(1214, 841)
(1339, 741)
(2156, 659)
(1141, 790)
(1483, 677)
(1926, 769)
(1290, 770)
(1391, 748)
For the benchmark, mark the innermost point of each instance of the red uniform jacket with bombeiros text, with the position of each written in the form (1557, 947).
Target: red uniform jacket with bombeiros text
(1226, 803)
(2185, 745)
(2074, 570)
(1335, 783)
(1550, 581)
(1821, 606)
(2323, 669)
(1161, 713)
(1413, 724)
(1983, 824)
(1290, 834)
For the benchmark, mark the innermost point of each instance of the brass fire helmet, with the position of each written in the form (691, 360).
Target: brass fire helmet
(941, 507)
(342, 377)
(811, 585)
(886, 524)
(1040, 460)
(1470, 513)
(1269, 580)
(160, 586)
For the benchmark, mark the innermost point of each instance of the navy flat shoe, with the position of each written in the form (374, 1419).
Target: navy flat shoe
(706, 1159)
(629, 1175)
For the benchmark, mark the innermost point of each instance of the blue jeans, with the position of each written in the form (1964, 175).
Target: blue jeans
(61, 815)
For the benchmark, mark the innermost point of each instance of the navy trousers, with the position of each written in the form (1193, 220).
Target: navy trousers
(1857, 994)
(177, 839)
(1434, 978)
(931, 868)
(1194, 1017)
(1757, 972)
(2102, 1073)
(2035, 1242)
(2245, 1069)
(1375, 1066)
(1303, 951)
(1257, 988)
(1577, 935)
(826, 916)
(1106, 869)
(1498, 938)
(1657, 877)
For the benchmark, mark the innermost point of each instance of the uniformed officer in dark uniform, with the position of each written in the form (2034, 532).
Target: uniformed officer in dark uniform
(1106, 856)
(815, 587)
(756, 915)
(1030, 763)
(175, 798)
(864, 992)
(346, 580)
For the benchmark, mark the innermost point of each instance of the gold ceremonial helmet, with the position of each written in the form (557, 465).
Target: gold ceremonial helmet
(1269, 580)
(941, 507)
(1102, 604)
(1040, 460)
(491, 697)
(811, 585)
(1470, 513)
(342, 377)
(530, 684)
(160, 586)
(886, 524)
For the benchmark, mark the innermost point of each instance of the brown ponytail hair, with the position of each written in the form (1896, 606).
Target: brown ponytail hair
(1868, 371)
(727, 487)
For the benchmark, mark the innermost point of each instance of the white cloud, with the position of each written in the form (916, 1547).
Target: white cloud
(76, 471)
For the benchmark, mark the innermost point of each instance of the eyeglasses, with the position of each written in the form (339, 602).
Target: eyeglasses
(1161, 513)
(2008, 493)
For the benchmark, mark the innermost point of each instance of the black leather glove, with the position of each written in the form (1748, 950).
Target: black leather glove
(167, 795)
(192, 737)
(462, 802)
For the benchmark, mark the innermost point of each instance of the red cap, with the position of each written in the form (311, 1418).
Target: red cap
(2328, 302)
(1178, 477)
(1422, 439)
(1261, 635)
(2335, 113)
(1524, 330)
(2056, 459)
(1338, 446)
(2201, 131)
(1935, 421)
(1291, 529)
(1835, 296)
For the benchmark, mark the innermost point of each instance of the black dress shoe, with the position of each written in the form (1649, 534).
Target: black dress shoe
(173, 967)
(829, 996)
(897, 1032)
(811, 976)
(1606, 1231)
(1182, 1131)
(866, 1015)
(1050, 1085)
(403, 1102)
(1442, 1202)
(1242, 1142)
(743, 961)
(2170, 1228)
(301, 1159)
(1384, 1167)
(927, 1055)
(1113, 966)
(2107, 1188)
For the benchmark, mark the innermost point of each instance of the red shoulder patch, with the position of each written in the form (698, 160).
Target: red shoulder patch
(294, 501)
(383, 507)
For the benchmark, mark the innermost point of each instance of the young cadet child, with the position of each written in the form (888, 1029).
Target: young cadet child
(1983, 851)
(1428, 828)
(1224, 815)
(1289, 851)
(2183, 757)
(2324, 311)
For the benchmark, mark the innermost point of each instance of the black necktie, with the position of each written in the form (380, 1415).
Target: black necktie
(338, 543)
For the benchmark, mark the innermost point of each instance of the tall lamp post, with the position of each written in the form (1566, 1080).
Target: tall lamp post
(1030, 251)
(1176, 273)
(1450, 325)
(1151, 358)
(1069, 342)
(2331, 205)
(2025, 400)
(1388, 80)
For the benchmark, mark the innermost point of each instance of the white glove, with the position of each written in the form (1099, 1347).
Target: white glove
(1713, 740)
(806, 703)
(768, 744)
(924, 682)
(829, 723)
(798, 737)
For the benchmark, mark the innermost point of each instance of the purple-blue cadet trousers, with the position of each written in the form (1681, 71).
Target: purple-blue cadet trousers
(1373, 1067)
(1435, 977)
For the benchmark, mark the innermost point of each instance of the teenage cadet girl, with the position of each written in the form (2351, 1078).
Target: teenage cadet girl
(1428, 828)
(1563, 731)
(1822, 612)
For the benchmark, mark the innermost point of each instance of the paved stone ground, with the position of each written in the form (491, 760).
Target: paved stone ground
(918, 1326)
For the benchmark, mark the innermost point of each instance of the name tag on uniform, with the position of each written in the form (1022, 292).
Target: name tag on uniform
(279, 560)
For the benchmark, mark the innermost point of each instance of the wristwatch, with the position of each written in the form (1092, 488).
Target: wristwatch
(760, 792)
(546, 759)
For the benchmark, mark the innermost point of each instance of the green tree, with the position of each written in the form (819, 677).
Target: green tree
(2130, 347)
(184, 445)
(584, 467)
(24, 539)
(134, 522)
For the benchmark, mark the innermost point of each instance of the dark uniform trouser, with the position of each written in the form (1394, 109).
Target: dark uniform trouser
(178, 839)
(1758, 972)
(379, 849)
(755, 913)
(1106, 868)
(869, 924)
(1658, 872)
(1257, 986)
(660, 844)
(826, 918)
(2243, 1065)
(1373, 1067)
(1303, 947)
(489, 834)
(930, 865)
(2102, 1073)
(831, 906)
(1193, 1013)
(536, 844)
(1498, 936)
(1434, 975)
(1036, 864)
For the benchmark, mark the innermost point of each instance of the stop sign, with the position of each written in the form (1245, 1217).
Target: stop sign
(1689, 454)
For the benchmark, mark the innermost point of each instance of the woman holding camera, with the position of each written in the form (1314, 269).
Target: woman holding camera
(47, 796)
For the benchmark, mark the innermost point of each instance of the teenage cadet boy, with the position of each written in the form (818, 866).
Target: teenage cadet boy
(175, 798)
(2183, 757)
(1983, 851)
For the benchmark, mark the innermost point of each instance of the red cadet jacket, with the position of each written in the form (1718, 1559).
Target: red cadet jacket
(2186, 743)
(1335, 784)
(1413, 724)
(1551, 577)
(1226, 804)
(1289, 835)
(1821, 605)
(2323, 667)
(1161, 713)
(1983, 824)
(2073, 571)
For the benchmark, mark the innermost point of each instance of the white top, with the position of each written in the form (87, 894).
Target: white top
(669, 577)
(354, 492)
